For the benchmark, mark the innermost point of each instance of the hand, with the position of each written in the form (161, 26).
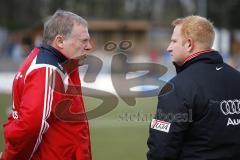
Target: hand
(0, 155)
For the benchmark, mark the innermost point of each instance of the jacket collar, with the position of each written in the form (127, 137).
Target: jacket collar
(54, 51)
(207, 57)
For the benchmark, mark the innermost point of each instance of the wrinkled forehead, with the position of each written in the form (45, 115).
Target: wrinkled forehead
(80, 30)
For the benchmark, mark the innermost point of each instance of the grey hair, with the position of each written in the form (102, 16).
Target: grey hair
(61, 23)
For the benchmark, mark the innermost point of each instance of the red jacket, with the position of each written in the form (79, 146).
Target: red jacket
(46, 92)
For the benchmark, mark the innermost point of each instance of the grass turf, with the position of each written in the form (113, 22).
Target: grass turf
(120, 134)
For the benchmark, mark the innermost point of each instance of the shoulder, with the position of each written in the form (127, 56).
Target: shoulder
(48, 59)
(44, 60)
(184, 80)
(183, 86)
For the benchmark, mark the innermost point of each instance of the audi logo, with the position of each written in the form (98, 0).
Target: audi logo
(230, 106)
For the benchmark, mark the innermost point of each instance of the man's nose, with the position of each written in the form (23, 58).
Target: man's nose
(169, 49)
(88, 46)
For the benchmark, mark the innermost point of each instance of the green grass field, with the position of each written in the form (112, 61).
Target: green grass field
(118, 135)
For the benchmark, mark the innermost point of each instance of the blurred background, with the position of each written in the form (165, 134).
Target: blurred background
(146, 24)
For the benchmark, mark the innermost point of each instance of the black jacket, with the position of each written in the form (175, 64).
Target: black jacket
(198, 113)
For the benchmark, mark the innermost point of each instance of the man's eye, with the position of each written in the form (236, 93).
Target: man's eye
(84, 40)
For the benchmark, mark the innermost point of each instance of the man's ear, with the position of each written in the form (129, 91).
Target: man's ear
(59, 41)
(189, 44)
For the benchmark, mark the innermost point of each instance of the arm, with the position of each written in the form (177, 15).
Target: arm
(168, 127)
(23, 134)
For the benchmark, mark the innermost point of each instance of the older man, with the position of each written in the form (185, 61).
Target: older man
(46, 90)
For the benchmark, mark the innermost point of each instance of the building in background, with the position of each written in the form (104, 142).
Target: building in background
(144, 22)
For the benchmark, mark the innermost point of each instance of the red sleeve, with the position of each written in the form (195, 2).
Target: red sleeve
(24, 133)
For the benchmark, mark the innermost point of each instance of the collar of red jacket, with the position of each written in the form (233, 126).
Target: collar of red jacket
(55, 52)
